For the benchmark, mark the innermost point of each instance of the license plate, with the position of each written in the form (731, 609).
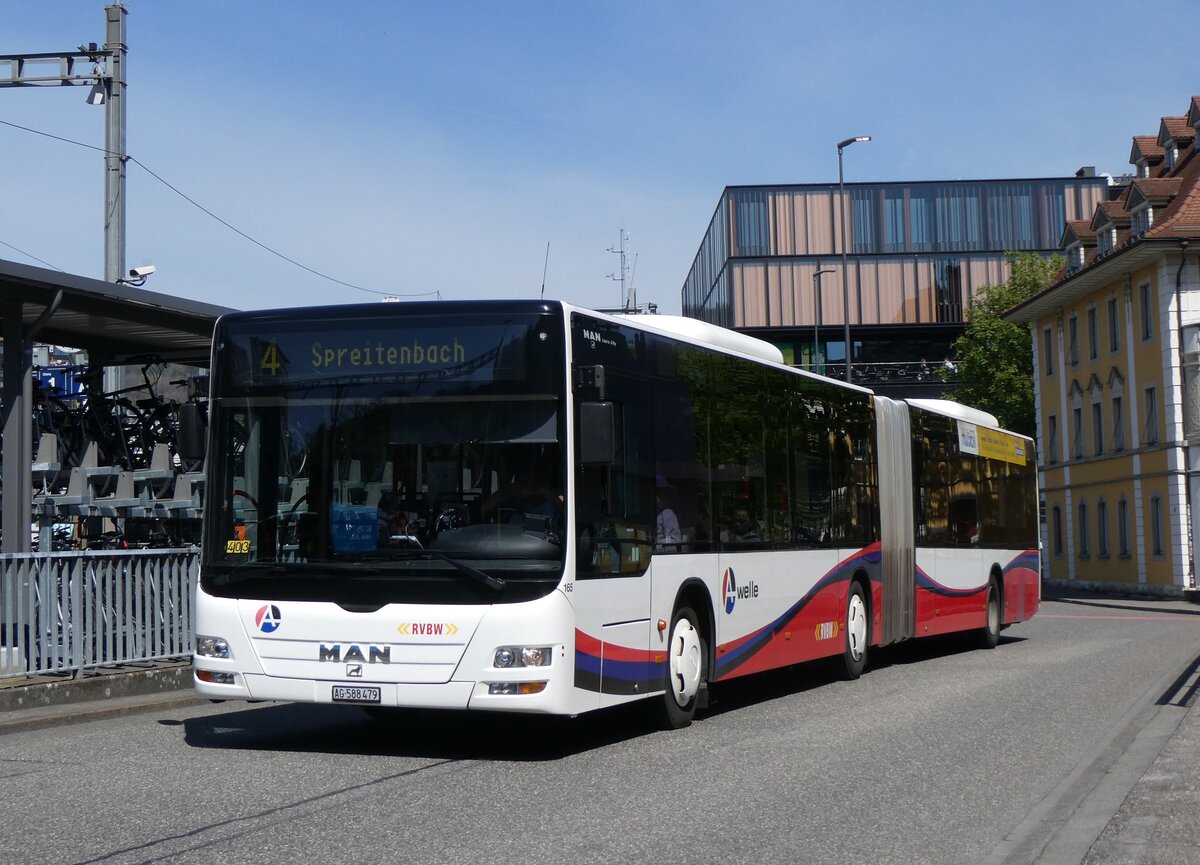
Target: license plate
(355, 694)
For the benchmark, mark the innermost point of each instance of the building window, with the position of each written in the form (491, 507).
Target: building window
(1077, 432)
(1048, 351)
(948, 288)
(1147, 311)
(1075, 257)
(1114, 326)
(1093, 334)
(1097, 428)
(1052, 439)
(1141, 221)
(1056, 525)
(1156, 526)
(1105, 239)
(1118, 421)
(1150, 433)
(1083, 531)
(1102, 528)
(1123, 527)
(1073, 340)
(1170, 154)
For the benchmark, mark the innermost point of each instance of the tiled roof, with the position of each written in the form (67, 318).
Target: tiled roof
(1174, 194)
(1145, 147)
(1181, 217)
(1155, 189)
(1111, 211)
(1176, 129)
(1079, 230)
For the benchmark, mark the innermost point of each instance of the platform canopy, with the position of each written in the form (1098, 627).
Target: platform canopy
(112, 321)
(115, 323)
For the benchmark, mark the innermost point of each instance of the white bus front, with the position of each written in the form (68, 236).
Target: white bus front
(384, 518)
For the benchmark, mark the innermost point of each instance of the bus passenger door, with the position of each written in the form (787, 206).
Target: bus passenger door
(614, 521)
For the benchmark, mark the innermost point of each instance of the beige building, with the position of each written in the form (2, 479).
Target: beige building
(1117, 379)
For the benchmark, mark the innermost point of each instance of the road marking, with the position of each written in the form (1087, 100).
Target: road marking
(1122, 618)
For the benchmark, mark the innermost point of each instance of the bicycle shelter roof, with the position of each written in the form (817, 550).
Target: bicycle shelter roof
(113, 321)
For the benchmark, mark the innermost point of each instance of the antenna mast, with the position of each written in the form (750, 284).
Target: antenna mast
(544, 267)
(628, 298)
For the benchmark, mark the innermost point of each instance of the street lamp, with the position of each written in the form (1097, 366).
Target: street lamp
(816, 311)
(845, 274)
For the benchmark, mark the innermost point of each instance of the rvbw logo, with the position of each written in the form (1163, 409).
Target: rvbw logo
(732, 591)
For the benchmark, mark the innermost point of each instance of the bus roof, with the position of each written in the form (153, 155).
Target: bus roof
(956, 410)
(701, 331)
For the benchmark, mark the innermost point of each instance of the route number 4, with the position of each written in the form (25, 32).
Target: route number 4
(270, 359)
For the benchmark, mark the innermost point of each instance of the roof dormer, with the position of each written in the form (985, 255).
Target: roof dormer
(1078, 243)
(1193, 117)
(1175, 136)
(1146, 155)
(1108, 221)
(1148, 197)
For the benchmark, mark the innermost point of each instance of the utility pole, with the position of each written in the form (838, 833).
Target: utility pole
(114, 143)
(106, 77)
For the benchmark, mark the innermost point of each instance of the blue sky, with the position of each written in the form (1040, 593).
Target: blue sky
(440, 146)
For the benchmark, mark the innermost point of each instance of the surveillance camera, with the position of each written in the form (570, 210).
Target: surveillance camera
(142, 272)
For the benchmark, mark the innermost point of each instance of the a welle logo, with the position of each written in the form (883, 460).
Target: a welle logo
(732, 591)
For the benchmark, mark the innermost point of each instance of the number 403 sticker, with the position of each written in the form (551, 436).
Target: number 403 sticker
(270, 359)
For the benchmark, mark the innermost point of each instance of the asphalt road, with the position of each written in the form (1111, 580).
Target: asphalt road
(939, 754)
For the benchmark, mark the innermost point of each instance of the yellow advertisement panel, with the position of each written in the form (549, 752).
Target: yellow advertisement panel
(993, 444)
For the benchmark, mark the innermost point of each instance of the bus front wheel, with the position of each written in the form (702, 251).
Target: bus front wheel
(685, 669)
(854, 644)
(989, 635)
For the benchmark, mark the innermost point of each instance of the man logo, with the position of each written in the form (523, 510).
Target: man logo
(729, 589)
(268, 618)
(354, 671)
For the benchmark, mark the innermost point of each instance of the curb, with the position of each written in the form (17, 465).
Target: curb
(107, 693)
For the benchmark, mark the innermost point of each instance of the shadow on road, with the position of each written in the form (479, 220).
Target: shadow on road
(424, 733)
(456, 735)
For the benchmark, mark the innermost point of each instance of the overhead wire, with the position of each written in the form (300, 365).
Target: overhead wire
(212, 215)
(31, 255)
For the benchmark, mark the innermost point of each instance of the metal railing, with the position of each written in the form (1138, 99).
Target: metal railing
(889, 372)
(71, 611)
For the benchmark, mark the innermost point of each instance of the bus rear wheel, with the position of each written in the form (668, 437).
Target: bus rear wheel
(989, 635)
(856, 631)
(685, 669)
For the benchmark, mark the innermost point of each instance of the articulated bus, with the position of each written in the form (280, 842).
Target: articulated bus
(527, 506)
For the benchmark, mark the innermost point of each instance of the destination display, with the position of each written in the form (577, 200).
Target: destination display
(361, 349)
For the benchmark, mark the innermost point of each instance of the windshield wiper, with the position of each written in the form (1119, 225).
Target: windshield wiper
(250, 570)
(482, 577)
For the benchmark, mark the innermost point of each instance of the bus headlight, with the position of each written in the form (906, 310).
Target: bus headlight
(522, 656)
(212, 647)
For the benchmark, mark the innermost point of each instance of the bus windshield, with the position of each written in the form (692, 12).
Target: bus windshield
(399, 459)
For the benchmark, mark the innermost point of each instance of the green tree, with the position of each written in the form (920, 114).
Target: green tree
(994, 358)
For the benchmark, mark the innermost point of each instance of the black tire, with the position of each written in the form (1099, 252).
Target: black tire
(989, 635)
(686, 662)
(856, 632)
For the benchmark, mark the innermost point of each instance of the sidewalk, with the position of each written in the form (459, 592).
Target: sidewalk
(46, 701)
(1159, 819)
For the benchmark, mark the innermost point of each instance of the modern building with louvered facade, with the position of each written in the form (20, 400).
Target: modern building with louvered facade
(917, 253)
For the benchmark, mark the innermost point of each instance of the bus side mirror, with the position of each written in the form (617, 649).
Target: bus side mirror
(191, 431)
(597, 434)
